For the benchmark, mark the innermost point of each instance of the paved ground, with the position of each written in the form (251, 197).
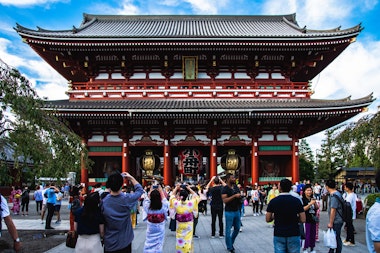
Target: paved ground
(256, 237)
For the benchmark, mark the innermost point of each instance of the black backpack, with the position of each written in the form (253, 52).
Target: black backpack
(25, 195)
(75, 205)
(347, 210)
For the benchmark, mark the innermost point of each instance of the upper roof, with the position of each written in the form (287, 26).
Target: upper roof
(185, 27)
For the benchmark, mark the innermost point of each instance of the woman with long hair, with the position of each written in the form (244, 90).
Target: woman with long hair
(89, 225)
(203, 200)
(310, 206)
(156, 207)
(184, 210)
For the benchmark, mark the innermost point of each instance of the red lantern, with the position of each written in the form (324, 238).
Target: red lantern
(189, 162)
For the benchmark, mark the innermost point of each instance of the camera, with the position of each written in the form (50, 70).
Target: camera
(183, 186)
(155, 186)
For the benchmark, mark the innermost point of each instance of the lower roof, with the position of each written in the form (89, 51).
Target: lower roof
(207, 105)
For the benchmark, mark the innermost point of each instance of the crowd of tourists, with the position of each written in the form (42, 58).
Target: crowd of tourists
(99, 216)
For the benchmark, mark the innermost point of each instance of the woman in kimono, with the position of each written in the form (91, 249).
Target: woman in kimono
(185, 210)
(16, 199)
(156, 209)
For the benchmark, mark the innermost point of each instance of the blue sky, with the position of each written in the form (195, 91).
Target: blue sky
(354, 73)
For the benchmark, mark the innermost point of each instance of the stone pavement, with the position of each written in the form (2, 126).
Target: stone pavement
(256, 237)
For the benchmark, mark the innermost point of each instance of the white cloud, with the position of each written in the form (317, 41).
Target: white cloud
(50, 84)
(23, 3)
(125, 7)
(355, 72)
(316, 14)
(206, 6)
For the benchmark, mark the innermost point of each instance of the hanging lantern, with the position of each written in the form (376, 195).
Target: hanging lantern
(149, 162)
(189, 162)
(230, 162)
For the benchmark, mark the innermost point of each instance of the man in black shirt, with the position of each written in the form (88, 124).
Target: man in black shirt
(286, 211)
(216, 204)
(232, 199)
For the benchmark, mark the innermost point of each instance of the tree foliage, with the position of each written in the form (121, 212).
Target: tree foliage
(306, 161)
(36, 138)
(352, 145)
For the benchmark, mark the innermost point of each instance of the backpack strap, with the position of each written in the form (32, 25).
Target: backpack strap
(341, 202)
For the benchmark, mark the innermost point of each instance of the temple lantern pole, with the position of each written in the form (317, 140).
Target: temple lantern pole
(125, 158)
(167, 173)
(213, 157)
(254, 162)
(84, 170)
(295, 161)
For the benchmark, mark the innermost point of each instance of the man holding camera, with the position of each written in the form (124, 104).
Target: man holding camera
(116, 208)
(50, 202)
(232, 199)
(216, 204)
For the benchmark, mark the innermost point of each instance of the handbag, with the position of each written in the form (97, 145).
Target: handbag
(329, 239)
(71, 239)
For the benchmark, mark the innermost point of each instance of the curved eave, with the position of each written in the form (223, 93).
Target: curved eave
(105, 39)
(212, 106)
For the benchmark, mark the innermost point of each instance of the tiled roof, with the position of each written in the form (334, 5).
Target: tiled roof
(183, 27)
(211, 105)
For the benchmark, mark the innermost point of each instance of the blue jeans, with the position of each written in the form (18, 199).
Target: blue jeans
(232, 219)
(337, 227)
(290, 244)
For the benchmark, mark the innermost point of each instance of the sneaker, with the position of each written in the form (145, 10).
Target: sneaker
(350, 244)
(213, 236)
(313, 251)
(305, 251)
(241, 230)
(345, 241)
(195, 236)
(221, 236)
(42, 222)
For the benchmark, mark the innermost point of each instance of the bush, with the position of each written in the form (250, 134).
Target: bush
(370, 200)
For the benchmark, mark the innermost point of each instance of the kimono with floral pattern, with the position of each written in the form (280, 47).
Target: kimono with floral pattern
(184, 231)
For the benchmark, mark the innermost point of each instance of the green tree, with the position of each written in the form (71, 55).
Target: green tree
(34, 136)
(306, 161)
(327, 158)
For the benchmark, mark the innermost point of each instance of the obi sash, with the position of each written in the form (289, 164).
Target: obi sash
(184, 217)
(156, 217)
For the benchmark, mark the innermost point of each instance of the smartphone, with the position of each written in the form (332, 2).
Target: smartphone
(155, 186)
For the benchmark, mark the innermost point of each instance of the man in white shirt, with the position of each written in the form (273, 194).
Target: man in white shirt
(44, 199)
(10, 225)
(350, 197)
(373, 223)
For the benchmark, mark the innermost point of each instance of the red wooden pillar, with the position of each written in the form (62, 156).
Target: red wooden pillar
(168, 178)
(84, 170)
(125, 157)
(295, 162)
(254, 162)
(213, 165)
